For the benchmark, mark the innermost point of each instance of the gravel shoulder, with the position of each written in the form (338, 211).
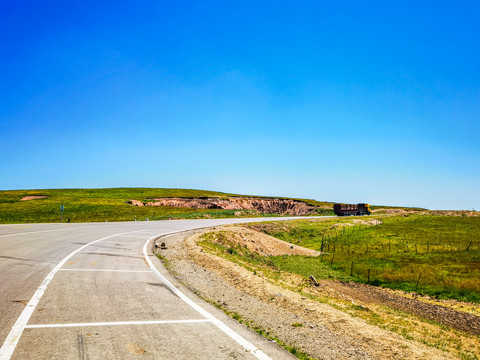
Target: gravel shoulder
(318, 328)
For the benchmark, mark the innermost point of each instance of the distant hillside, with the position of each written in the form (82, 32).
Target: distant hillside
(128, 204)
(114, 204)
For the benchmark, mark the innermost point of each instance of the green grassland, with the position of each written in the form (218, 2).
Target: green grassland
(89, 205)
(434, 255)
(93, 205)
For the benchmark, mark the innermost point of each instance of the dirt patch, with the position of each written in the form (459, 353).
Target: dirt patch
(135, 349)
(317, 328)
(24, 302)
(260, 243)
(466, 213)
(463, 213)
(394, 211)
(371, 222)
(33, 197)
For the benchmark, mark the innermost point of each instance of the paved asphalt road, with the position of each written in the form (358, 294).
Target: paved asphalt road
(94, 291)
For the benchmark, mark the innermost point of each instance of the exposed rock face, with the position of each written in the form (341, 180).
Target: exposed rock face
(136, 203)
(274, 206)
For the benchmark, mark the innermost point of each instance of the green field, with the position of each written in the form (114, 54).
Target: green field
(92, 205)
(434, 255)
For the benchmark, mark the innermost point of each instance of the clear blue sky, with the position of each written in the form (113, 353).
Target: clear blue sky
(347, 101)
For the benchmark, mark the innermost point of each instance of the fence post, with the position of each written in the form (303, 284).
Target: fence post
(418, 280)
(468, 247)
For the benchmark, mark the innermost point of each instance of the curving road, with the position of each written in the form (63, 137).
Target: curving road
(94, 291)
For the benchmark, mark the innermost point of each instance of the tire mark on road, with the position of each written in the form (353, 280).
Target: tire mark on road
(82, 348)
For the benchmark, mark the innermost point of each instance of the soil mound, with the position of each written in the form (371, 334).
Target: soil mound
(260, 243)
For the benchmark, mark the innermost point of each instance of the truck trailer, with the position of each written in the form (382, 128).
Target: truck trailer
(351, 209)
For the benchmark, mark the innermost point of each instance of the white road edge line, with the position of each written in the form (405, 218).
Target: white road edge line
(13, 337)
(117, 323)
(259, 354)
(108, 270)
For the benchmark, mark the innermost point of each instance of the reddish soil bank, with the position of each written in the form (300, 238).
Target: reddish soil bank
(274, 206)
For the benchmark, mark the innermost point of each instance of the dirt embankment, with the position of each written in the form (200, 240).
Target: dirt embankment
(460, 320)
(273, 206)
(262, 244)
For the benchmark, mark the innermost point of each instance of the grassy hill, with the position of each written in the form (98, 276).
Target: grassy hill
(93, 205)
(90, 205)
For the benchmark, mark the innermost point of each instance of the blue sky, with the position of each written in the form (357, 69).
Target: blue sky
(343, 101)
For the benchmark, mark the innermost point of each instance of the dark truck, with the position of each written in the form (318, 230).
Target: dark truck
(351, 209)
